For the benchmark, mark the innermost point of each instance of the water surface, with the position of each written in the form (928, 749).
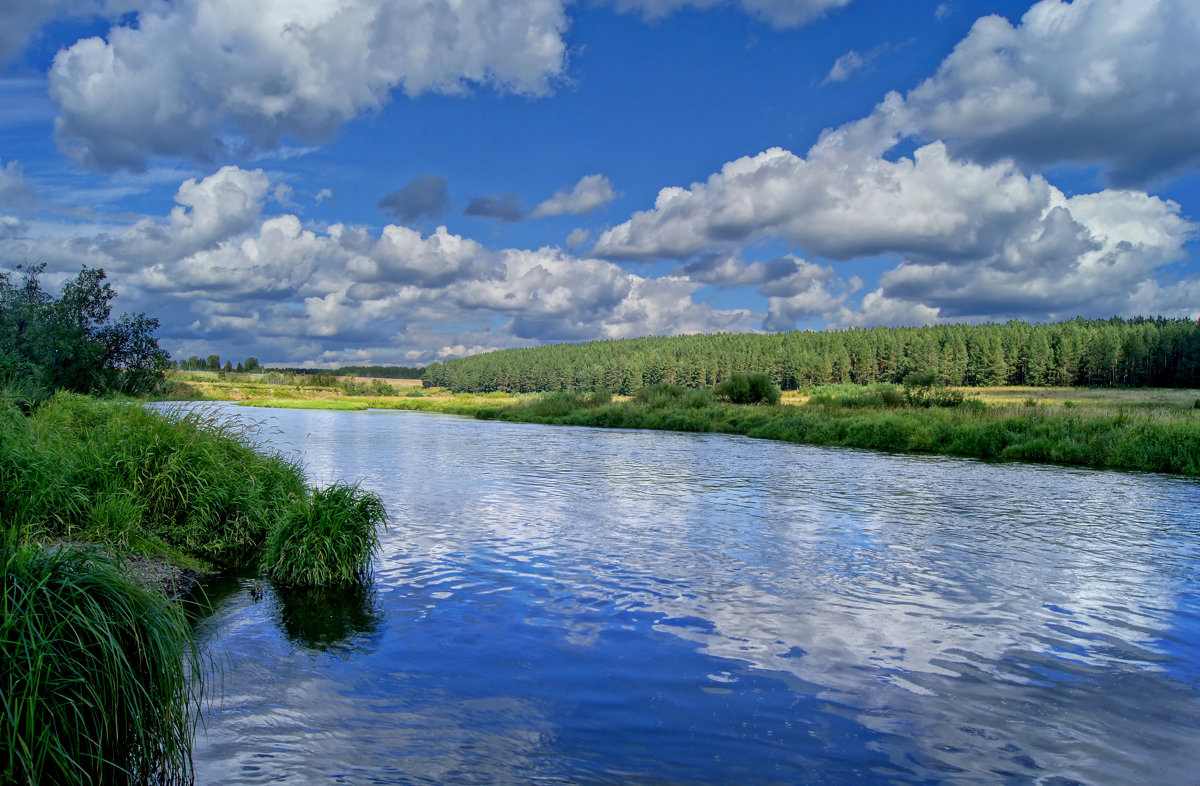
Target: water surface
(571, 605)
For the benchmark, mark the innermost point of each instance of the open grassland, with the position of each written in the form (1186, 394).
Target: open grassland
(440, 401)
(232, 386)
(1099, 398)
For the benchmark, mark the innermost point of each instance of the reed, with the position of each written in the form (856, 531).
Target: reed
(98, 680)
(328, 540)
(181, 482)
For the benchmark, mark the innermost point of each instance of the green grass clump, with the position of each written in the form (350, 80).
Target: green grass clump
(98, 680)
(173, 483)
(880, 396)
(327, 540)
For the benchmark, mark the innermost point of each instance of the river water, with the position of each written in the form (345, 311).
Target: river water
(567, 605)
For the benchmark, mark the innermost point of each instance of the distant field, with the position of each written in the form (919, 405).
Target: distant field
(221, 386)
(1094, 397)
(214, 386)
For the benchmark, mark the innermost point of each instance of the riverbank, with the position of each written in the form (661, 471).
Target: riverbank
(1149, 429)
(1150, 440)
(109, 511)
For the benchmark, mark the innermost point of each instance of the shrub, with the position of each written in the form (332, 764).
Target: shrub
(854, 397)
(748, 389)
(599, 397)
(661, 395)
(327, 539)
(555, 405)
(376, 387)
(98, 680)
(380, 388)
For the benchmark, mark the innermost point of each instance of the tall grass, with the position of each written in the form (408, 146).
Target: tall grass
(98, 683)
(326, 541)
(177, 483)
(98, 680)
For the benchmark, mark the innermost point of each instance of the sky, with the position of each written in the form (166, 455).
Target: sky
(342, 182)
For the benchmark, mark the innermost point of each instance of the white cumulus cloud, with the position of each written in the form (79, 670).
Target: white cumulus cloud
(14, 190)
(978, 241)
(839, 203)
(216, 265)
(590, 193)
(1109, 82)
(191, 72)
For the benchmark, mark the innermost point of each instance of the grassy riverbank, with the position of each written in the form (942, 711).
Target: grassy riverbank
(1152, 439)
(98, 679)
(1148, 429)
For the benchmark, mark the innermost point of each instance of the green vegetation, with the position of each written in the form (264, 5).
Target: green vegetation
(743, 388)
(182, 484)
(377, 372)
(98, 683)
(1157, 439)
(234, 386)
(70, 343)
(327, 540)
(381, 372)
(376, 387)
(1138, 352)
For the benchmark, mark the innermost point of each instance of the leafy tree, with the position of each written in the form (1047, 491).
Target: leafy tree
(252, 364)
(71, 342)
(213, 363)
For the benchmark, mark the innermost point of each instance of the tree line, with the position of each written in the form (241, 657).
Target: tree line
(251, 366)
(1137, 352)
(377, 372)
(213, 363)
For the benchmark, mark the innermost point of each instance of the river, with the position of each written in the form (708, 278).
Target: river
(569, 605)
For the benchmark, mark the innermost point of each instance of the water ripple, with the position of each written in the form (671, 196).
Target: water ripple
(575, 605)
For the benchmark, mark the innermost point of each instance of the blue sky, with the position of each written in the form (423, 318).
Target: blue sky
(401, 181)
